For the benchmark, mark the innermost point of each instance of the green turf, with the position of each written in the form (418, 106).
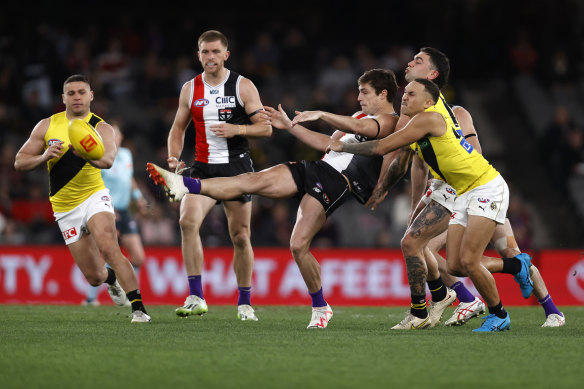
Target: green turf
(97, 347)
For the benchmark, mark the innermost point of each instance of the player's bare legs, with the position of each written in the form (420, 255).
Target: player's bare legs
(431, 220)
(464, 250)
(102, 228)
(309, 220)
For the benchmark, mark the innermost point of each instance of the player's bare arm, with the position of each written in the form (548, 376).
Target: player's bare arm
(31, 154)
(313, 139)
(366, 127)
(419, 178)
(397, 169)
(424, 123)
(176, 136)
(109, 141)
(467, 127)
(253, 106)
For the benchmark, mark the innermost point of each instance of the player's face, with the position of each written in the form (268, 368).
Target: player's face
(77, 97)
(415, 99)
(420, 67)
(369, 101)
(212, 56)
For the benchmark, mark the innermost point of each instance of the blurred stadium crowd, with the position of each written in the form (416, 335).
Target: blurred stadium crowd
(138, 64)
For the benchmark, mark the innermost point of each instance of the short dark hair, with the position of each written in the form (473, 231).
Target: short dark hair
(212, 36)
(430, 87)
(77, 78)
(381, 79)
(440, 62)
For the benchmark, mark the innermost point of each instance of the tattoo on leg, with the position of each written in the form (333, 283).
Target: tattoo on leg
(417, 275)
(431, 215)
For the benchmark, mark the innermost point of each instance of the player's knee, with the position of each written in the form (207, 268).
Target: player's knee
(456, 269)
(240, 238)
(189, 224)
(298, 247)
(409, 244)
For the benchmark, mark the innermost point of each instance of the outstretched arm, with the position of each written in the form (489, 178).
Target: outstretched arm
(379, 127)
(425, 123)
(313, 139)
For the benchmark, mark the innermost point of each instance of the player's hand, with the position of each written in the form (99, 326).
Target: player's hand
(53, 151)
(278, 117)
(72, 150)
(335, 145)
(306, 116)
(176, 165)
(376, 198)
(224, 130)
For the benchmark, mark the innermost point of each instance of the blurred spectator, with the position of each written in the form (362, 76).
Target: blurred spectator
(336, 78)
(524, 57)
(158, 227)
(113, 70)
(554, 144)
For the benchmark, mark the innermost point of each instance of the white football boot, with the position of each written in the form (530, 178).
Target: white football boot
(320, 317)
(246, 312)
(194, 305)
(172, 183)
(466, 311)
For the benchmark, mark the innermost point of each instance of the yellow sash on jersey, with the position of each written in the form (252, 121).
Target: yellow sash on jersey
(451, 158)
(71, 179)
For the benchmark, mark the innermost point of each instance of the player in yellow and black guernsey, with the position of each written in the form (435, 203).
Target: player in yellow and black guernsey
(81, 202)
(483, 195)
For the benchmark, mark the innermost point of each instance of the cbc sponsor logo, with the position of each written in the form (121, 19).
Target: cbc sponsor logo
(575, 280)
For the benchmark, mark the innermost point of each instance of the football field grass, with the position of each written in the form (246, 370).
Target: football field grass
(97, 347)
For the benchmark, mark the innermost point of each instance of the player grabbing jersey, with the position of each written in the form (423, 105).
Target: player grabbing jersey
(483, 195)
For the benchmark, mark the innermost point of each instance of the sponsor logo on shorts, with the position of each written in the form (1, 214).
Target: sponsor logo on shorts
(429, 192)
(484, 201)
(54, 141)
(319, 186)
(483, 208)
(201, 102)
(70, 233)
(105, 198)
(316, 189)
(453, 215)
(326, 198)
(451, 191)
(493, 206)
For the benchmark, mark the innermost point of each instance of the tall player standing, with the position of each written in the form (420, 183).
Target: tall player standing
(224, 107)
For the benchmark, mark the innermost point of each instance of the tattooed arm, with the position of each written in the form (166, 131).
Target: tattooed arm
(397, 169)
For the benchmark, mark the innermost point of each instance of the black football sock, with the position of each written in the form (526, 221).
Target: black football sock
(136, 300)
(511, 266)
(111, 276)
(438, 289)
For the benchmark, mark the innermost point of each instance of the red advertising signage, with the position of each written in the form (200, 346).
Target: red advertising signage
(48, 275)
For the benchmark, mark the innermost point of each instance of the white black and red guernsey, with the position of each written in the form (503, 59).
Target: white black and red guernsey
(217, 104)
(362, 171)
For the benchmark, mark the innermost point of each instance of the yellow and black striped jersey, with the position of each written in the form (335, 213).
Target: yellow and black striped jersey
(450, 157)
(71, 178)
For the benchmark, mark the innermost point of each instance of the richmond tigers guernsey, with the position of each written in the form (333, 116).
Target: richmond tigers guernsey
(71, 179)
(450, 157)
(217, 104)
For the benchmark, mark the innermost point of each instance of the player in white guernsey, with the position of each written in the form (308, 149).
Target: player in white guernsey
(224, 108)
(322, 185)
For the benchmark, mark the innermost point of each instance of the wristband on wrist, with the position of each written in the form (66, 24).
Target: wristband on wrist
(242, 130)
